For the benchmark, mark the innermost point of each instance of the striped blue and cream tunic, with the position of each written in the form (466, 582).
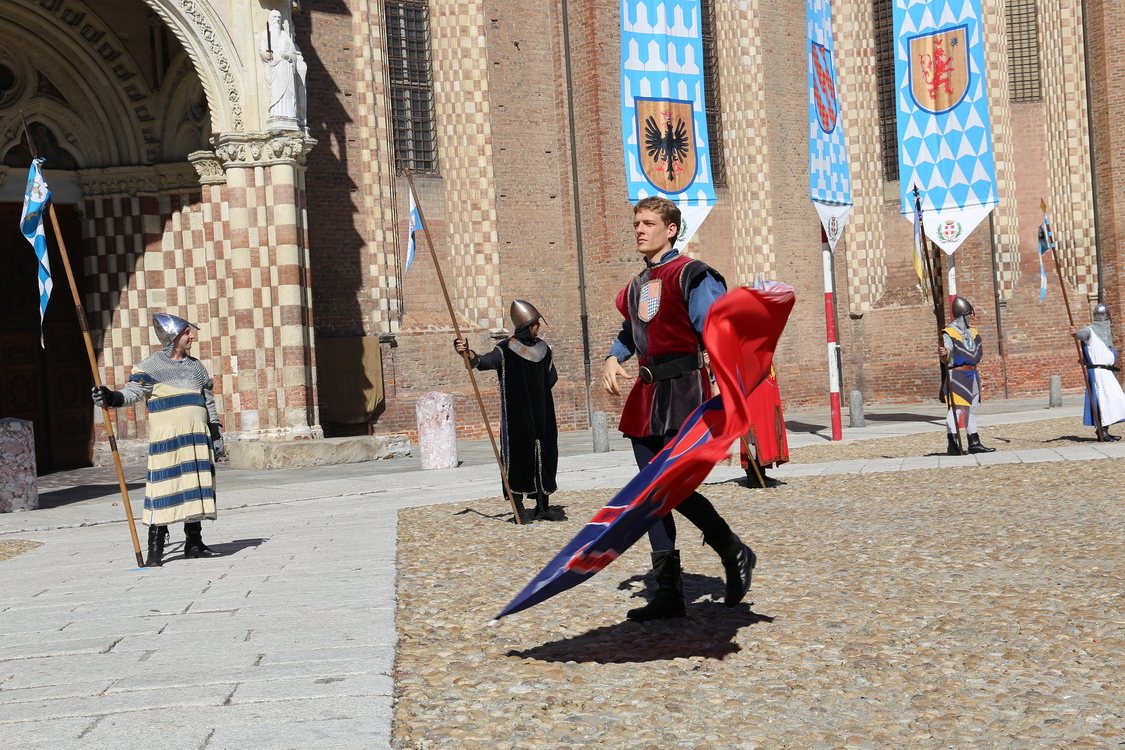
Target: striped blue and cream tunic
(181, 468)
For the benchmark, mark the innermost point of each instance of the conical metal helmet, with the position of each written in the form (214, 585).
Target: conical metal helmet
(524, 314)
(1101, 311)
(961, 307)
(168, 327)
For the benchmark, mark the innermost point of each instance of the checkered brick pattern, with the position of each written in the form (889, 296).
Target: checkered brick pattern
(460, 64)
(743, 89)
(381, 291)
(1070, 202)
(863, 262)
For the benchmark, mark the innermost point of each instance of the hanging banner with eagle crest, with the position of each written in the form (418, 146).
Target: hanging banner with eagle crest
(945, 142)
(830, 183)
(663, 116)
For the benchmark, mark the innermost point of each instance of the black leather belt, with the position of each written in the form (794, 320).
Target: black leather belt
(668, 366)
(1103, 367)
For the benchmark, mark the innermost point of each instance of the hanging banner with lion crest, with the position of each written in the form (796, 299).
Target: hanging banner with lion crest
(945, 142)
(663, 116)
(830, 183)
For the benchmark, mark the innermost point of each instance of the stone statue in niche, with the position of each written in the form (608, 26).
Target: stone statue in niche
(285, 75)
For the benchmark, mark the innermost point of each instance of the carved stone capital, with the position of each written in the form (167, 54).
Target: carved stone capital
(159, 179)
(262, 149)
(208, 166)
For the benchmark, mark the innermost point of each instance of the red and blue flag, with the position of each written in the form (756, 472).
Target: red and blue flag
(740, 334)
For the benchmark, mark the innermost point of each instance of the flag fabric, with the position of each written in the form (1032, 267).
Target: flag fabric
(740, 334)
(415, 225)
(1045, 244)
(663, 111)
(36, 199)
(945, 142)
(830, 184)
(919, 266)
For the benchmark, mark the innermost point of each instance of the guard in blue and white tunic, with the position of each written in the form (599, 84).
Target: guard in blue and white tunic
(185, 437)
(962, 349)
(1100, 359)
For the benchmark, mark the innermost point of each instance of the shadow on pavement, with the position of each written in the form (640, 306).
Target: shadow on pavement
(56, 498)
(709, 630)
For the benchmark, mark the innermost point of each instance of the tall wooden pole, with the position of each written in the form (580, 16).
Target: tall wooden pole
(465, 354)
(1095, 408)
(93, 362)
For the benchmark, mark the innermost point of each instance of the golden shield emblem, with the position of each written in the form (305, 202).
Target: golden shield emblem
(666, 141)
(939, 69)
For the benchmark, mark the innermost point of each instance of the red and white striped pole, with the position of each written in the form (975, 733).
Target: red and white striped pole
(833, 346)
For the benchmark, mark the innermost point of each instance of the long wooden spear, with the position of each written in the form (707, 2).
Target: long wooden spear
(465, 354)
(93, 360)
(1095, 407)
(938, 297)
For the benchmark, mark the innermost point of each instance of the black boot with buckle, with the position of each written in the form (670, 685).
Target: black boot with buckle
(976, 447)
(669, 598)
(156, 537)
(194, 546)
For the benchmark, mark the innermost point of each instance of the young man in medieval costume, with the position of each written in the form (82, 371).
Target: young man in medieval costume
(185, 437)
(529, 436)
(665, 307)
(961, 349)
(1100, 359)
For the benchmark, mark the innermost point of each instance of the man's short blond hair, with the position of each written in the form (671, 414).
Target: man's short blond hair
(668, 211)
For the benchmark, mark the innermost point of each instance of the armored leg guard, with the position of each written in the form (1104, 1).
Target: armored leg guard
(156, 537)
(738, 562)
(194, 546)
(976, 447)
(669, 598)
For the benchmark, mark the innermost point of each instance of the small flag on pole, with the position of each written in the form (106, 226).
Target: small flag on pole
(415, 225)
(918, 265)
(35, 201)
(1045, 244)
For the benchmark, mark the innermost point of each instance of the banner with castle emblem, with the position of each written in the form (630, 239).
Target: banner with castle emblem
(663, 118)
(830, 184)
(945, 141)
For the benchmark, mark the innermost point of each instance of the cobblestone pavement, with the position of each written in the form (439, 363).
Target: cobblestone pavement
(982, 607)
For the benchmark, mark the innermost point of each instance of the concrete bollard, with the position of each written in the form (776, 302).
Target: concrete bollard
(437, 430)
(855, 409)
(601, 433)
(19, 489)
(1055, 399)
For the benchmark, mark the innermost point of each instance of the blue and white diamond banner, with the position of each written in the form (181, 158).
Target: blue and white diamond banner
(663, 118)
(830, 182)
(945, 142)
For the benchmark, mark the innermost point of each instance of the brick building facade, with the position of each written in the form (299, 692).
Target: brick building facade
(188, 196)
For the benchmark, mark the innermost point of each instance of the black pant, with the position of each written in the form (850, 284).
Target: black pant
(695, 508)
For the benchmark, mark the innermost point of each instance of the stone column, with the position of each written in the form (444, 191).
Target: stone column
(273, 338)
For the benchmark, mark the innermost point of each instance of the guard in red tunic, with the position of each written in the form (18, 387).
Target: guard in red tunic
(767, 444)
(665, 307)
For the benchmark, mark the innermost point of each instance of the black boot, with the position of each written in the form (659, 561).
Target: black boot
(524, 515)
(1108, 438)
(194, 546)
(156, 537)
(954, 448)
(976, 447)
(543, 510)
(669, 598)
(752, 482)
(738, 562)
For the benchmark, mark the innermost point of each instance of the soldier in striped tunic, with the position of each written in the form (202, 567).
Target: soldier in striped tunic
(185, 437)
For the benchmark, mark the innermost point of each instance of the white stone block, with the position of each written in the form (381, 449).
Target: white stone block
(19, 489)
(437, 430)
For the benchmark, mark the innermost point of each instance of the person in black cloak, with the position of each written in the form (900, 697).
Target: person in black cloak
(529, 436)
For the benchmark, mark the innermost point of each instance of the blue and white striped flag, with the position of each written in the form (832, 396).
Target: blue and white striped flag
(415, 225)
(830, 184)
(1045, 244)
(35, 202)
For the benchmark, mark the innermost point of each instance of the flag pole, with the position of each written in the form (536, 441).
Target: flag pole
(93, 361)
(939, 311)
(1095, 407)
(464, 354)
(834, 374)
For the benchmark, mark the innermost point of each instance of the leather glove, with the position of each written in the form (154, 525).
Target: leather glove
(217, 439)
(105, 398)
